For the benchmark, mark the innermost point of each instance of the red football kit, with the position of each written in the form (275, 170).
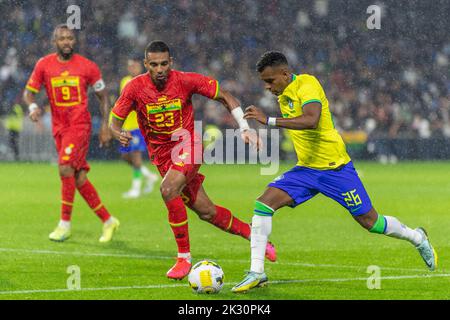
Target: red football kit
(166, 118)
(162, 115)
(66, 84)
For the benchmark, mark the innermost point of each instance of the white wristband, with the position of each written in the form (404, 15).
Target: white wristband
(32, 107)
(238, 115)
(271, 121)
(99, 85)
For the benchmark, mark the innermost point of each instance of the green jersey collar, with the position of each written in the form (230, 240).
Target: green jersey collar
(293, 78)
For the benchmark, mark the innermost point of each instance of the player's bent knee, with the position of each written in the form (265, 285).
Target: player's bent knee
(365, 222)
(372, 221)
(80, 181)
(168, 192)
(368, 220)
(66, 171)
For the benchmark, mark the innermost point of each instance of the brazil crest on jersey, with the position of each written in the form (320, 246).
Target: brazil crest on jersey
(321, 148)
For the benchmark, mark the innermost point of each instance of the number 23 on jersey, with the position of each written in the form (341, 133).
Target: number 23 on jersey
(165, 117)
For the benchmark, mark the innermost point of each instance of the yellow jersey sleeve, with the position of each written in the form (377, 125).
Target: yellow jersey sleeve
(130, 122)
(320, 148)
(124, 82)
(310, 91)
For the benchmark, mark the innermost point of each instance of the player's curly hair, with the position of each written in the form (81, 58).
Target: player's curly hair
(271, 59)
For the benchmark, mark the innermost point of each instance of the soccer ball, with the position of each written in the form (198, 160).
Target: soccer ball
(206, 277)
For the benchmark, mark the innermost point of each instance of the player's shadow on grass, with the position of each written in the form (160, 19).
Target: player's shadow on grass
(89, 241)
(125, 248)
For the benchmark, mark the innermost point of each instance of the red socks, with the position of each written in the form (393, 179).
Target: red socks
(67, 197)
(178, 221)
(227, 222)
(89, 194)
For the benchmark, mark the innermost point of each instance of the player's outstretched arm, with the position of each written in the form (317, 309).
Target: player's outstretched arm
(33, 109)
(308, 120)
(104, 134)
(233, 105)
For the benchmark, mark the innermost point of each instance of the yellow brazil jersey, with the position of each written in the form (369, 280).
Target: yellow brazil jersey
(321, 148)
(130, 123)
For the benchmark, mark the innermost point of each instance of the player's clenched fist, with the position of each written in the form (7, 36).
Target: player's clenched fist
(35, 115)
(124, 138)
(250, 136)
(253, 112)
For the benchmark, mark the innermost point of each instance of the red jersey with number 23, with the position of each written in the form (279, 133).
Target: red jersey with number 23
(66, 83)
(162, 113)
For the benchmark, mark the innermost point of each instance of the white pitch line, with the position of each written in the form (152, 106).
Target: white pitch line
(417, 276)
(312, 265)
(156, 286)
(86, 254)
(163, 286)
(142, 256)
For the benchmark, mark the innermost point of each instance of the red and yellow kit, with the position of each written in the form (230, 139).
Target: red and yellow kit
(66, 84)
(163, 114)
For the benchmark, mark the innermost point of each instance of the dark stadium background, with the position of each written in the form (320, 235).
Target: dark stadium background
(388, 89)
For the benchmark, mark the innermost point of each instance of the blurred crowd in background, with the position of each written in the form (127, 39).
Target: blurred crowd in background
(387, 83)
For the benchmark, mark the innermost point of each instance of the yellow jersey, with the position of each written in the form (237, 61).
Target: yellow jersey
(130, 122)
(321, 148)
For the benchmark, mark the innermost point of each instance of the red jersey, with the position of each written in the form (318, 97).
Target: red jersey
(66, 83)
(161, 113)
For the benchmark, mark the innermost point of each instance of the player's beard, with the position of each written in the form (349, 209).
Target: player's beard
(160, 83)
(65, 55)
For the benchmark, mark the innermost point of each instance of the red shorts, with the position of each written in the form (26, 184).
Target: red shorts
(72, 147)
(189, 169)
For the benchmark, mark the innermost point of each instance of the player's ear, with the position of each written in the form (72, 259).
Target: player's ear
(286, 74)
(171, 61)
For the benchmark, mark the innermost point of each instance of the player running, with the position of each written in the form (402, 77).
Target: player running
(66, 77)
(132, 154)
(323, 166)
(162, 99)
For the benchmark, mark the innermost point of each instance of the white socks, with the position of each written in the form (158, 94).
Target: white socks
(64, 224)
(396, 229)
(136, 184)
(261, 229)
(109, 221)
(147, 173)
(186, 255)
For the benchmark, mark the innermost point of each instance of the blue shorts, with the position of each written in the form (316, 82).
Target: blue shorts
(136, 144)
(342, 185)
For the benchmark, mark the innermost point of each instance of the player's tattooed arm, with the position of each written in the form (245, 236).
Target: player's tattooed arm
(104, 134)
(33, 109)
(308, 120)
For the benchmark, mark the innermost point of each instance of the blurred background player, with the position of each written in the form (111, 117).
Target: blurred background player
(132, 154)
(66, 77)
(14, 125)
(323, 167)
(162, 99)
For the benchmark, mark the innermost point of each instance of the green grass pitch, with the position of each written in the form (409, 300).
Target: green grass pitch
(322, 252)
